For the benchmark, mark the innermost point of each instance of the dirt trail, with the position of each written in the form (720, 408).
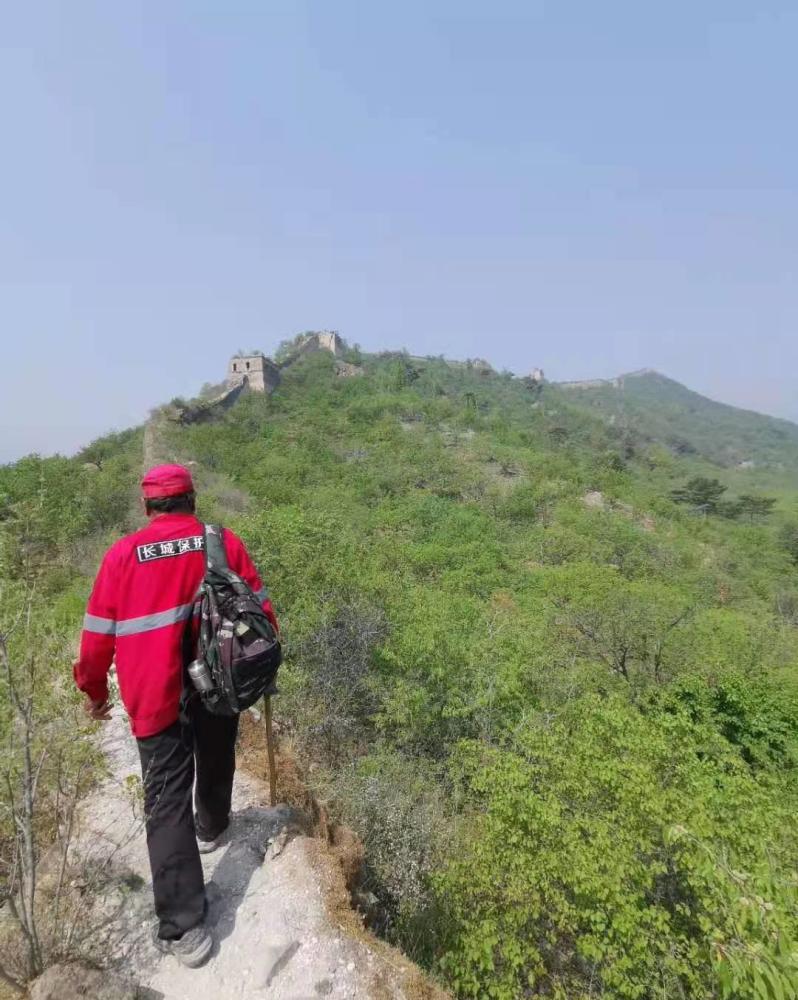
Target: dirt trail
(277, 936)
(154, 448)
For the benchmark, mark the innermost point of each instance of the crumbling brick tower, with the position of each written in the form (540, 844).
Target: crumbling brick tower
(328, 340)
(259, 372)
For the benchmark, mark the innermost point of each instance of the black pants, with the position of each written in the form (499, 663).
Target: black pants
(169, 760)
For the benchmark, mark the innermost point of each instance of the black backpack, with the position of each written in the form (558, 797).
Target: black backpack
(236, 642)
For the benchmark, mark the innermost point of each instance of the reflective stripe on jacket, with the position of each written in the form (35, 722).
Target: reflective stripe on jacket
(136, 615)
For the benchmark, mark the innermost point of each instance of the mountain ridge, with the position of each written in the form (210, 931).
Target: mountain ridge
(545, 688)
(657, 408)
(641, 407)
(732, 436)
(654, 373)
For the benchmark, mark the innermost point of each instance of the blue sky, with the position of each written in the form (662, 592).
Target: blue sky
(588, 187)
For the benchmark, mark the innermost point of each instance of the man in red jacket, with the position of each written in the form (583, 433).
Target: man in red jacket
(137, 616)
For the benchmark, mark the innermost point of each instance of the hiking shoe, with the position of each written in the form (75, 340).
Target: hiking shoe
(192, 949)
(207, 846)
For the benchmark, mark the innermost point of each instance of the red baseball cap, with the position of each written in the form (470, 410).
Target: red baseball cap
(166, 481)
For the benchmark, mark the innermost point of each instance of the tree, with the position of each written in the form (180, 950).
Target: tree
(788, 539)
(106, 447)
(730, 509)
(702, 494)
(756, 506)
(628, 625)
(404, 374)
(354, 354)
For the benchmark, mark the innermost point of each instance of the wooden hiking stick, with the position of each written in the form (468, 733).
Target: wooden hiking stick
(267, 722)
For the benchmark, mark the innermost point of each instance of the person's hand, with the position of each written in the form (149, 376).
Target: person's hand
(99, 710)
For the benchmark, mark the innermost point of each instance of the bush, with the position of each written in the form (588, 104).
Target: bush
(618, 856)
(45, 765)
(401, 815)
(338, 698)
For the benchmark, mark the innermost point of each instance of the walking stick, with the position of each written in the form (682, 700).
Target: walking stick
(267, 722)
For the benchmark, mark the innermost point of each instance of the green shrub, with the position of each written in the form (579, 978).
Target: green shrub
(617, 855)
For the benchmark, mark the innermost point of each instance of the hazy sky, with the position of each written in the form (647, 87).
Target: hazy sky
(589, 187)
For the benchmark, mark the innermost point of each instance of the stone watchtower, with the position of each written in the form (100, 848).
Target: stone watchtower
(255, 370)
(328, 340)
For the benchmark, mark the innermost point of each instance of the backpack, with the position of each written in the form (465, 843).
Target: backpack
(236, 640)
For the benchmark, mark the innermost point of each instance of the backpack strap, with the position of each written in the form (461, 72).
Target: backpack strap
(216, 559)
(215, 555)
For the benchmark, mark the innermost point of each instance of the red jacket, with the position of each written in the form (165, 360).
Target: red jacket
(137, 611)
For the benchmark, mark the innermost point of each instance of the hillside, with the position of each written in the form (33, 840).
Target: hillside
(654, 408)
(559, 709)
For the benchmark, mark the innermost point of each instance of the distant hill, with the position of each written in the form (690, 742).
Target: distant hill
(656, 408)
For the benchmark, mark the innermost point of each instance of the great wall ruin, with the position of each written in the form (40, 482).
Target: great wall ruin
(255, 372)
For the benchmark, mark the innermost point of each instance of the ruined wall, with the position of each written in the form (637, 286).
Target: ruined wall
(324, 340)
(593, 383)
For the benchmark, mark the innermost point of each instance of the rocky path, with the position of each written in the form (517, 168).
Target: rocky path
(277, 936)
